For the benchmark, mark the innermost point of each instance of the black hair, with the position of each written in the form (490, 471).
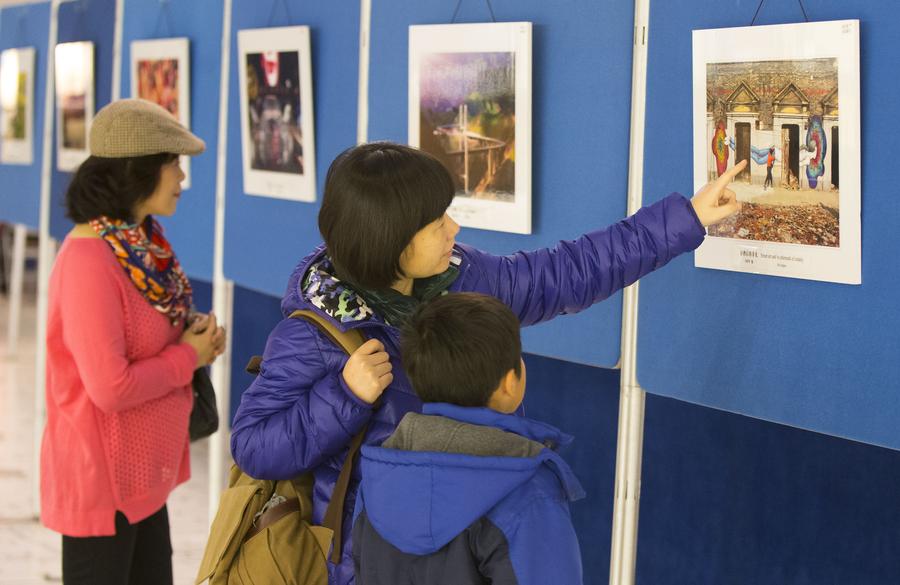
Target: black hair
(113, 186)
(377, 196)
(457, 348)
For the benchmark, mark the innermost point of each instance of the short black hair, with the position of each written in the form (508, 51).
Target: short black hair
(457, 348)
(377, 196)
(113, 186)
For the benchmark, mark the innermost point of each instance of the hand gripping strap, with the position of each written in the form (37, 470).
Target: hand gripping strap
(349, 341)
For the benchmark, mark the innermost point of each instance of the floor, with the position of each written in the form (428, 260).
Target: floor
(30, 553)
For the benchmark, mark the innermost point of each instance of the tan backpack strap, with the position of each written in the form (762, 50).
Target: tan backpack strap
(348, 340)
(334, 514)
(254, 365)
(273, 515)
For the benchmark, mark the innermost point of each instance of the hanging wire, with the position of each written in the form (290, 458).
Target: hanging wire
(287, 12)
(164, 15)
(459, 3)
(755, 14)
(21, 26)
(803, 9)
(761, 2)
(80, 9)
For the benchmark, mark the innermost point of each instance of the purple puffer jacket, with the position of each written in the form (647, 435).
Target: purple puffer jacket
(299, 415)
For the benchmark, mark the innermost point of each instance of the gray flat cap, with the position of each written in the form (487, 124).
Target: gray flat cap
(135, 127)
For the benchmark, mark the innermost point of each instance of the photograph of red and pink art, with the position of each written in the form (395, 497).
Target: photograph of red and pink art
(158, 83)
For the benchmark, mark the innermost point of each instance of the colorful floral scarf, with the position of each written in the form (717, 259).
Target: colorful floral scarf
(149, 262)
(348, 303)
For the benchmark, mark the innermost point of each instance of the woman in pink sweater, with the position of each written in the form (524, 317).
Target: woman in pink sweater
(122, 346)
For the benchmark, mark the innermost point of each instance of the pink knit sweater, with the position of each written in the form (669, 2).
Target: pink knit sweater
(118, 397)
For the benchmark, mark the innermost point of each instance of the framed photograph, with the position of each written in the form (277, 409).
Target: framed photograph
(74, 68)
(470, 106)
(17, 101)
(786, 99)
(160, 73)
(275, 74)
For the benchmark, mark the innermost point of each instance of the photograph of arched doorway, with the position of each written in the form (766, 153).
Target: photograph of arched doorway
(773, 113)
(786, 100)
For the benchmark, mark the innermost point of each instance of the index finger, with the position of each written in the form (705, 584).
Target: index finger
(730, 174)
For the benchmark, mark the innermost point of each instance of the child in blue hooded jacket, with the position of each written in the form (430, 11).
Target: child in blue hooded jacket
(466, 492)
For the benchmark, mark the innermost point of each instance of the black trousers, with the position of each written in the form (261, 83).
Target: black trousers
(138, 554)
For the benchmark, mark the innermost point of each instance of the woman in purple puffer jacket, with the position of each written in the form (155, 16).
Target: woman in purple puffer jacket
(390, 245)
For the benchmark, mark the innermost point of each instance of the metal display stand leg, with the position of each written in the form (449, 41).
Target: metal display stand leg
(626, 505)
(222, 289)
(16, 286)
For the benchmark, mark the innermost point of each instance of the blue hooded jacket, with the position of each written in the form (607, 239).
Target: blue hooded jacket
(299, 415)
(496, 516)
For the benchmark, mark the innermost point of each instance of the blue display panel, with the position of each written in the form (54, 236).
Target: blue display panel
(266, 237)
(191, 229)
(20, 197)
(581, 111)
(82, 20)
(730, 499)
(814, 355)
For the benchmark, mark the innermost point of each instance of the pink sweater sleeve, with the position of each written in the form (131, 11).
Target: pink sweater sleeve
(94, 332)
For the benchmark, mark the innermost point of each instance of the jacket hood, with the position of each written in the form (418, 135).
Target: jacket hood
(420, 500)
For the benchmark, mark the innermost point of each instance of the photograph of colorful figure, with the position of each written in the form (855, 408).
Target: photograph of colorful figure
(273, 95)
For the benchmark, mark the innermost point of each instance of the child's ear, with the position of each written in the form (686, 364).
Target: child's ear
(510, 383)
(505, 392)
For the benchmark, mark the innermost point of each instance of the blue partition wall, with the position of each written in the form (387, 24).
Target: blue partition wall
(583, 401)
(255, 315)
(191, 230)
(82, 20)
(265, 237)
(727, 499)
(814, 355)
(20, 197)
(581, 108)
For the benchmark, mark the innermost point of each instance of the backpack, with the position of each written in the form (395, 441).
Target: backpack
(262, 532)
